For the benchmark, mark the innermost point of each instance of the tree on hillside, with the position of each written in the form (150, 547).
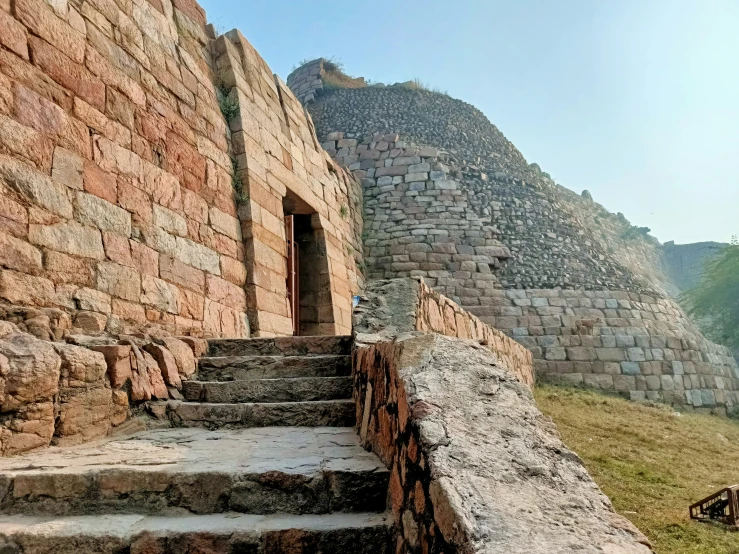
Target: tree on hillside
(715, 301)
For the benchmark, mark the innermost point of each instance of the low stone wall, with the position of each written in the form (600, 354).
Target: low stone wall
(475, 467)
(392, 307)
(68, 393)
(642, 346)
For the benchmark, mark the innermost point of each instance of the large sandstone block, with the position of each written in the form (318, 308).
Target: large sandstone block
(19, 255)
(103, 215)
(13, 35)
(35, 186)
(84, 415)
(183, 355)
(81, 367)
(160, 295)
(120, 281)
(24, 289)
(69, 238)
(29, 371)
(67, 73)
(29, 427)
(167, 364)
(197, 255)
(118, 361)
(42, 21)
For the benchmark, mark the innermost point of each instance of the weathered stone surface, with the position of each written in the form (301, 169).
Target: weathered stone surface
(29, 375)
(156, 381)
(298, 471)
(99, 213)
(305, 389)
(120, 281)
(91, 322)
(444, 411)
(167, 364)
(183, 355)
(244, 368)
(140, 384)
(70, 238)
(118, 361)
(67, 168)
(81, 366)
(35, 186)
(19, 255)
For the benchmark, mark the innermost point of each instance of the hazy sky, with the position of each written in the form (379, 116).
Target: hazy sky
(634, 100)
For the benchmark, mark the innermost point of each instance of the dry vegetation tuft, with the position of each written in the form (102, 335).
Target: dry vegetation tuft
(652, 463)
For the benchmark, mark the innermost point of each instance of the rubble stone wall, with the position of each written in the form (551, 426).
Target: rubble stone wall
(581, 287)
(126, 197)
(68, 393)
(475, 467)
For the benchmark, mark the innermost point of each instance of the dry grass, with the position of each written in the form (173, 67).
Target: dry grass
(652, 463)
(339, 79)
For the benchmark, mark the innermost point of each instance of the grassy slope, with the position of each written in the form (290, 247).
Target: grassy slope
(651, 463)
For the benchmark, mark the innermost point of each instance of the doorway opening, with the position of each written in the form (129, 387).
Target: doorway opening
(308, 273)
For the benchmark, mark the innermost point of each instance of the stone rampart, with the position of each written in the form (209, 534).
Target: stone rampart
(581, 287)
(475, 467)
(144, 170)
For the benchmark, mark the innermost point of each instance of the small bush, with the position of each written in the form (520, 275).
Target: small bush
(229, 105)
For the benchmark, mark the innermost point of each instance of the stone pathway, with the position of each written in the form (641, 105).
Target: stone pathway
(261, 458)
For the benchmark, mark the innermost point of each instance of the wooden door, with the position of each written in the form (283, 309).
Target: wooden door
(293, 275)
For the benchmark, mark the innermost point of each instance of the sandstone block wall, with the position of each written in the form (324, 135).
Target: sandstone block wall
(128, 200)
(474, 465)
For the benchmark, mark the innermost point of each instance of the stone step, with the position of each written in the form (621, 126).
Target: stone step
(227, 533)
(243, 368)
(195, 471)
(304, 389)
(281, 346)
(324, 413)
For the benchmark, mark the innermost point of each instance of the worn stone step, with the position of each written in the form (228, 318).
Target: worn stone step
(242, 368)
(324, 413)
(281, 346)
(227, 533)
(183, 471)
(304, 389)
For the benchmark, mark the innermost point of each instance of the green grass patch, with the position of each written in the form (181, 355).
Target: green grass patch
(652, 463)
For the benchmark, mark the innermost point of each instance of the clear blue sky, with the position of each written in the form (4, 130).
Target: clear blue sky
(634, 100)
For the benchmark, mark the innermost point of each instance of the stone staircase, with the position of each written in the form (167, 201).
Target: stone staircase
(261, 458)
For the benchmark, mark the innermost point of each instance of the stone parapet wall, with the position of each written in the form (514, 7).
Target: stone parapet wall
(128, 200)
(438, 314)
(390, 308)
(475, 467)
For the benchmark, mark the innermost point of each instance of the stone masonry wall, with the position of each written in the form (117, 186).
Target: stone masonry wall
(306, 81)
(127, 200)
(541, 263)
(474, 465)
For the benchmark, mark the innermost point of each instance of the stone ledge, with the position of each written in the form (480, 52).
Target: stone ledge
(475, 466)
